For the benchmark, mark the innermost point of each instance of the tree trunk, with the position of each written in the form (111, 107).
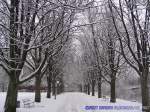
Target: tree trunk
(93, 87)
(99, 88)
(57, 89)
(37, 88)
(80, 87)
(49, 83)
(145, 92)
(113, 90)
(11, 98)
(62, 87)
(85, 89)
(88, 89)
(53, 87)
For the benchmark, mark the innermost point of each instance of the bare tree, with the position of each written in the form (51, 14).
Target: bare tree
(20, 28)
(104, 48)
(135, 39)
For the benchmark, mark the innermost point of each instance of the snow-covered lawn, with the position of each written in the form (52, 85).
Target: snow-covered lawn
(74, 102)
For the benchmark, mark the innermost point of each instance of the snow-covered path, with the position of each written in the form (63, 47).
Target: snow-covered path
(73, 102)
(77, 102)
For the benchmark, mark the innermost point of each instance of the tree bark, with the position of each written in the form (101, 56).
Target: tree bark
(85, 89)
(88, 89)
(99, 88)
(145, 91)
(113, 90)
(62, 86)
(49, 84)
(80, 88)
(57, 89)
(37, 88)
(53, 87)
(93, 87)
(11, 99)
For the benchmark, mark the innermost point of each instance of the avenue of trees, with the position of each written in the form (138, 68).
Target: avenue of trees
(32, 30)
(117, 36)
(37, 34)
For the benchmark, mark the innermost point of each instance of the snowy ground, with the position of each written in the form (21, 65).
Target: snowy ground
(74, 102)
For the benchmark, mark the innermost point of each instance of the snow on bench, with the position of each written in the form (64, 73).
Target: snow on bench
(28, 103)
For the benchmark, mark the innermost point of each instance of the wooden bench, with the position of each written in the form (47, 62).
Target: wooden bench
(28, 103)
(105, 98)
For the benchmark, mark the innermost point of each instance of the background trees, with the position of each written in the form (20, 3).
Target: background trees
(29, 27)
(135, 38)
(103, 49)
(96, 38)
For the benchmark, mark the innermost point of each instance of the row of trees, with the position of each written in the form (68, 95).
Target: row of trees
(32, 32)
(134, 40)
(117, 36)
(101, 51)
